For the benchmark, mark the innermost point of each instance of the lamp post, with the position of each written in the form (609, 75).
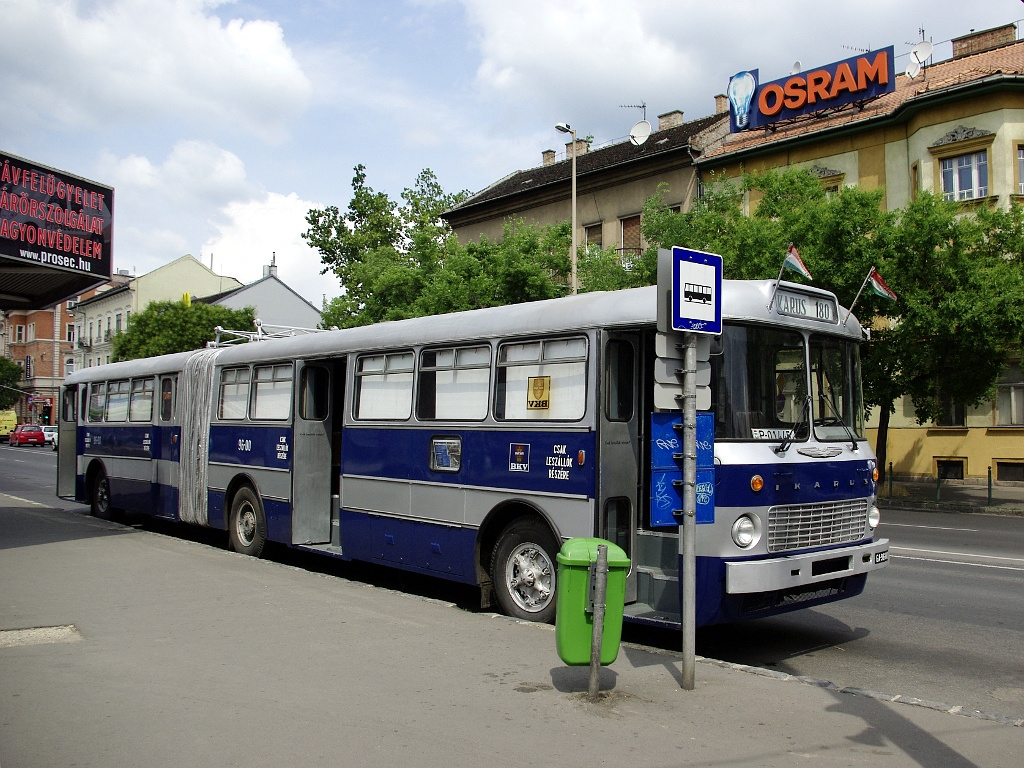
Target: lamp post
(565, 128)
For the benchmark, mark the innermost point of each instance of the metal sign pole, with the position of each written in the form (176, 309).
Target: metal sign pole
(688, 530)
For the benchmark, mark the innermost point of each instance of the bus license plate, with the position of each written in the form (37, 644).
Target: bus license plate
(881, 557)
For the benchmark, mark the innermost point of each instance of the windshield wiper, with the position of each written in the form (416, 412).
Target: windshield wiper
(842, 421)
(788, 439)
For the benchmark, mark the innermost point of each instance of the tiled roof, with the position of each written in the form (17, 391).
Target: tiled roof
(592, 162)
(934, 80)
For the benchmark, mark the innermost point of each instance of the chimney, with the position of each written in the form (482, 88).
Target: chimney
(271, 269)
(721, 104)
(986, 40)
(548, 156)
(582, 147)
(670, 119)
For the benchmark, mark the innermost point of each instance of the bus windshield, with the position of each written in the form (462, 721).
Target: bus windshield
(835, 389)
(759, 385)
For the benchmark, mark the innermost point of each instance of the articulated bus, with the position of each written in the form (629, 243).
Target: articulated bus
(470, 446)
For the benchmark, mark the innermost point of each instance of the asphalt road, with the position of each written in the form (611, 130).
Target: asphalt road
(944, 622)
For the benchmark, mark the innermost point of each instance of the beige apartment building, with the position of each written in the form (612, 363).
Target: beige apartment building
(955, 128)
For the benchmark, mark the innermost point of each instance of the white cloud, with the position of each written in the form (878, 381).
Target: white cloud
(270, 225)
(80, 65)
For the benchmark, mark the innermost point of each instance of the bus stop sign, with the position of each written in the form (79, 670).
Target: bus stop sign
(696, 291)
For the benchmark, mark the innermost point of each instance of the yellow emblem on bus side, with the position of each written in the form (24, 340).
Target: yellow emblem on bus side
(538, 396)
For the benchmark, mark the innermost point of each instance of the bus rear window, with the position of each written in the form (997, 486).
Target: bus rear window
(384, 386)
(542, 380)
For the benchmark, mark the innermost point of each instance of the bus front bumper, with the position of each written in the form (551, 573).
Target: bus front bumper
(781, 573)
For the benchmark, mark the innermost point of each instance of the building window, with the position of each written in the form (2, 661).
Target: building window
(953, 414)
(69, 366)
(965, 177)
(31, 332)
(1020, 169)
(630, 236)
(117, 323)
(69, 332)
(915, 180)
(90, 333)
(19, 333)
(1010, 398)
(594, 236)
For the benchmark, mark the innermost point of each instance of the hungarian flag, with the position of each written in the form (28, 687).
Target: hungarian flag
(793, 263)
(878, 286)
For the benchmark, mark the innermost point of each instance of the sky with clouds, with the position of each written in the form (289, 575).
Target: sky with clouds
(220, 124)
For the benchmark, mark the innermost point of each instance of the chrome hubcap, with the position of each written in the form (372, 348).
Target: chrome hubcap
(530, 577)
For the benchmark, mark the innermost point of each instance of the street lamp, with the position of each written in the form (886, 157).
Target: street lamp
(565, 128)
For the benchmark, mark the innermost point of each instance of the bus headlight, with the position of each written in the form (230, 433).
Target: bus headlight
(874, 517)
(745, 532)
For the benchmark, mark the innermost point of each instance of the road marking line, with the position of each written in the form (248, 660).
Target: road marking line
(10, 638)
(25, 501)
(930, 527)
(957, 562)
(958, 554)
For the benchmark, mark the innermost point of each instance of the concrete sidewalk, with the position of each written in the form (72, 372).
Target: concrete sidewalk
(183, 654)
(953, 496)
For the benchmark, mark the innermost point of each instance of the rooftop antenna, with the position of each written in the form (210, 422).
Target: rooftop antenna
(855, 48)
(641, 106)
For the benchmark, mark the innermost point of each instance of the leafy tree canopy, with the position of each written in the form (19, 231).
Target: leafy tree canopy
(959, 279)
(165, 327)
(402, 260)
(10, 376)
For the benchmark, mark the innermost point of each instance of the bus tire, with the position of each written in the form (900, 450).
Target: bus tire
(247, 526)
(523, 571)
(99, 497)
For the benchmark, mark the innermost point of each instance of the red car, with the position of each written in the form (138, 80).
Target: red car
(27, 434)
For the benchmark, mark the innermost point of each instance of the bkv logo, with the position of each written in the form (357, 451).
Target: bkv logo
(519, 457)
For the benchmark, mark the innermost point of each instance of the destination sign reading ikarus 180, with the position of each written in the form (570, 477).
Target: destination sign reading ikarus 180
(820, 308)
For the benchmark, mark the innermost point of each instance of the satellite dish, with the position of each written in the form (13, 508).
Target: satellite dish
(638, 135)
(914, 69)
(796, 67)
(921, 51)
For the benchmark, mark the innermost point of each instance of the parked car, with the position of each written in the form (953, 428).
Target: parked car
(55, 436)
(50, 433)
(27, 434)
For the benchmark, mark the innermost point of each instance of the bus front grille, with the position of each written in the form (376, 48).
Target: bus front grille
(800, 526)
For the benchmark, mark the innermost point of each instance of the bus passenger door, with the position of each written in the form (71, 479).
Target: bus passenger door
(67, 443)
(619, 445)
(311, 454)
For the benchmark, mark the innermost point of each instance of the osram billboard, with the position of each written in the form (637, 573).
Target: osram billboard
(753, 105)
(52, 219)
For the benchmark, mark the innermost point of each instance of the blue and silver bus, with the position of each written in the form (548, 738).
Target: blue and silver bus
(470, 446)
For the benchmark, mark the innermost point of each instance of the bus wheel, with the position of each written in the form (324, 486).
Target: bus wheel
(247, 530)
(99, 499)
(523, 571)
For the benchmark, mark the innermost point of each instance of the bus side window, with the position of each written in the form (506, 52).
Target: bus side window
(271, 392)
(542, 380)
(454, 383)
(384, 386)
(166, 399)
(97, 400)
(314, 393)
(234, 393)
(117, 401)
(68, 411)
(140, 407)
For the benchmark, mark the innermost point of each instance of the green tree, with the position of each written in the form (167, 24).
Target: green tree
(402, 260)
(165, 327)
(959, 278)
(10, 376)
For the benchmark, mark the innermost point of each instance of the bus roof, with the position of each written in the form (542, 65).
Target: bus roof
(745, 300)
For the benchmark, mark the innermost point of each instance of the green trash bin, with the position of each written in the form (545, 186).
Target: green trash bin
(574, 617)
